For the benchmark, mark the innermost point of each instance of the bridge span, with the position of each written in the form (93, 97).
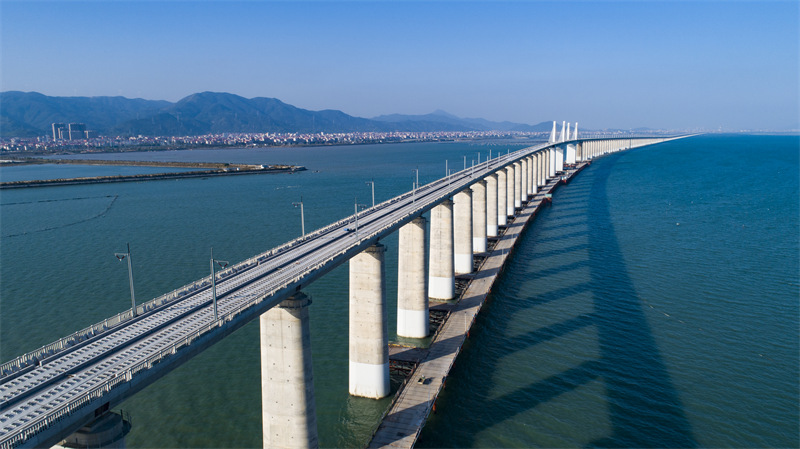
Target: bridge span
(48, 394)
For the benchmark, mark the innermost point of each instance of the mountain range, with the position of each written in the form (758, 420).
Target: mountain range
(29, 114)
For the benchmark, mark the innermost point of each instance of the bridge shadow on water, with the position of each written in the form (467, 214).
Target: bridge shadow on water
(642, 407)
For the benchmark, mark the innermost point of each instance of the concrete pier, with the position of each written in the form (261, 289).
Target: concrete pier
(525, 176)
(510, 181)
(570, 156)
(532, 183)
(560, 158)
(551, 170)
(442, 284)
(412, 280)
(289, 417)
(517, 185)
(462, 231)
(542, 168)
(479, 227)
(369, 351)
(502, 197)
(491, 205)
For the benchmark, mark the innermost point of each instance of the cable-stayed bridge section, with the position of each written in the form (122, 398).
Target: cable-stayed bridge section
(50, 393)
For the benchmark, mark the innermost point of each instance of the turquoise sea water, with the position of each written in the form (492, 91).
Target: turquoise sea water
(655, 304)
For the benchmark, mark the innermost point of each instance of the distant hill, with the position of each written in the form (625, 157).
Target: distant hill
(24, 114)
(32, 114)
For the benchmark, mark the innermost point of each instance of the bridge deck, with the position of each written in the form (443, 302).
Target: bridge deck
(403, 422)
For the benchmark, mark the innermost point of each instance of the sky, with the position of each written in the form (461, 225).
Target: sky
(711, 65)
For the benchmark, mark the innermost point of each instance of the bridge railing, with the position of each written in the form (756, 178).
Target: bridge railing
(75, 338)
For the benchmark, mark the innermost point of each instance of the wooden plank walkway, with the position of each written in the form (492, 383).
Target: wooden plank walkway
(405, 418)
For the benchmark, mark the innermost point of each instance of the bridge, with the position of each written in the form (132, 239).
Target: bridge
(50, 393)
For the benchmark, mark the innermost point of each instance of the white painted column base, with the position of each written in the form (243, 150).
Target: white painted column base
(502, 220)
(442, 287)
(369, 381)
(491, 231)
(412, 323)
(463, 263)
(478, 244)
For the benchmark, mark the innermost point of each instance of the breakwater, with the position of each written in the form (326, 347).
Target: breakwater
(226, 171)
(111, 162)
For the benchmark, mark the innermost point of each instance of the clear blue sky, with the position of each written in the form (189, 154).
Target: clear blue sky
(603, 64)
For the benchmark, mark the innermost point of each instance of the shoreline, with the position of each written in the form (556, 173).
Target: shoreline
(156, 148)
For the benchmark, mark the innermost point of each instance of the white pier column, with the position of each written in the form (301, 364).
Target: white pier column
(517, 184)
(289, 417)
(543, 166)
(551, 171)
(569, 155)
(479, 217)
(510, 181)
(502, 197)
(491, 205)
(462, 231)
(560, 158)
(369, 350)
(412, 280)
(543, 174)
(442, 283)
(532, 182)
(526, 176)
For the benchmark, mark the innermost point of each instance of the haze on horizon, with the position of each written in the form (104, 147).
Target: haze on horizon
(676, 65)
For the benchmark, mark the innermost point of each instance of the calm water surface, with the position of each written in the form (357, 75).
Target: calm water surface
(655, 304)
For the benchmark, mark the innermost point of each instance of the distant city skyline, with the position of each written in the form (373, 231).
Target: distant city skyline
(679, 65)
